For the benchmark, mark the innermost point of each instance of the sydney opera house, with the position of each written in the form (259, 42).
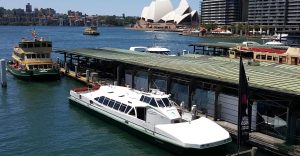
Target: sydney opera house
(160, 14)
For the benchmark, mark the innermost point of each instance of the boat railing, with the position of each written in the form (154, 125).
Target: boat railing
(86, 89)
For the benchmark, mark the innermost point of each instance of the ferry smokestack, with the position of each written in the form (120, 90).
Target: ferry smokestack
(3, 73)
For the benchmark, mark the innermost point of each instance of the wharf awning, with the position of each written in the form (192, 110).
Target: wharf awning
(268, 76)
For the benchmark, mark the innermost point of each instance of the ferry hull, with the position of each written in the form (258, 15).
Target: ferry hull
(178, 150)
(35, 75)
(92, 34)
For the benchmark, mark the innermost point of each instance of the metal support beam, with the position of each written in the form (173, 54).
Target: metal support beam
(217, 93)
(190, 94)
(169, 81)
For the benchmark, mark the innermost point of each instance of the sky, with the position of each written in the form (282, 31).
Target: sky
(91, 7)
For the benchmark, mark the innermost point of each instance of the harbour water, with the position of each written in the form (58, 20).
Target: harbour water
(36, 118)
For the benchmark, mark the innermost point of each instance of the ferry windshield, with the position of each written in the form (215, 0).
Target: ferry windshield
(164, 102)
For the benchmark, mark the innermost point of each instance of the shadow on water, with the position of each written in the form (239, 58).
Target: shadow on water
(129, 144)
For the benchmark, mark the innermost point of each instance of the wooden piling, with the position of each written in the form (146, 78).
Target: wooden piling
(3, 73)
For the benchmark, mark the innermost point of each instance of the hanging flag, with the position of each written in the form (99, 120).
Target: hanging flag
(244, 108)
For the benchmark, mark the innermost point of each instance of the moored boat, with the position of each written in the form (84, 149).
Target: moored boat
(153, 116)
(91, 31)
(153, 50)
(31, 60)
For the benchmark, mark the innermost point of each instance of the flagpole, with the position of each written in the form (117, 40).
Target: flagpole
(239, 108)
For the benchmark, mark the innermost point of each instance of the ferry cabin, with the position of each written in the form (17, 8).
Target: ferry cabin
(290, 56)
(33, 55)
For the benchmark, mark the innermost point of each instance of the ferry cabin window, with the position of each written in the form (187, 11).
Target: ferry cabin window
(269, 57)
(37, 45)
(28, 56)
(111, 103)
(127, 109)
(47, 55)
(132, 112)
(160, 102)
(30, 45)
(122, 108)
(33, 56)
(142, 98)
(275, 58)
(257, 56)
(30, 67)
(117, 105)
(49, 45)
(141, 113)
(44, 44)
(147, 99)
(263, 57)
(35, 67)
(153, 103)
(96, 99)
(166, 102)
(101, 99)
(106, 101)
(42, 55)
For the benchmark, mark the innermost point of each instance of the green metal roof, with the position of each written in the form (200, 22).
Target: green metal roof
(228, 45)
(270, 76)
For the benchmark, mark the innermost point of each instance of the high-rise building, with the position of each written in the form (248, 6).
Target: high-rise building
(28, 8)
(221, 12)
(279, 15)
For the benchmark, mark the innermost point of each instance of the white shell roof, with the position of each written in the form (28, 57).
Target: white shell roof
(163, 10)
(157, 9)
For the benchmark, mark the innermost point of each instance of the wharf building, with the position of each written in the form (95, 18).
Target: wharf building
(160, 14)
(223, 12)
(210, 83)
(282, 15)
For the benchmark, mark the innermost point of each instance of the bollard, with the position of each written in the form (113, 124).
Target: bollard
(94, 77)
(87, 75)
(194, 112)
(115, 83)
(3, 73)
(76, 71)
(253, 151)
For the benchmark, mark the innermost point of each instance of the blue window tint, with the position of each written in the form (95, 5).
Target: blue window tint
(127, 109)
(142, 98)
(117, 105)
(147, 99)
(160, 102)
(111, 103)
(105, 102)
(166, 102)
(153, 103)
(122, 108)
(101, 99)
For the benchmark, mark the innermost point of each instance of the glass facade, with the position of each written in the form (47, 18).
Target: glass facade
(179, 93)
(272, 119)
(141, 81)
(159, 83)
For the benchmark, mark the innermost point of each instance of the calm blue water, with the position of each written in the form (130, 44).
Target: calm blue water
(36, 118)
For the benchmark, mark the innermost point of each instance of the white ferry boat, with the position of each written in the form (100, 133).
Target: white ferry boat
(153, 116)
(154, 50)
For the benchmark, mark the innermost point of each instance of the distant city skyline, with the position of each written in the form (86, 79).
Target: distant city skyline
(92, 7)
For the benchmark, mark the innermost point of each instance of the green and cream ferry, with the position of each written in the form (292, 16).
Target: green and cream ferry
(31, 60)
